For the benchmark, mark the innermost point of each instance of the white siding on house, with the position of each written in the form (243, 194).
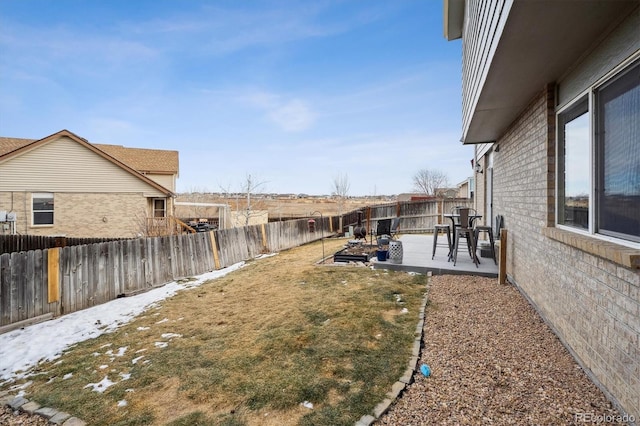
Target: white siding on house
(484, 22)
(82, 170)
(482, 149)
(168, 181)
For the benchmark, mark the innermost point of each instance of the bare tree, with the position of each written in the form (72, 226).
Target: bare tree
(429, 181)
(341, 188)
(250, 186)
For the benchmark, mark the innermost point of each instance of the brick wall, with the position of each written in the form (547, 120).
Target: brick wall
(82, 215)
(581, 289)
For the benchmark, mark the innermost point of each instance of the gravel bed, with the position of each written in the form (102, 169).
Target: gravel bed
(493, 361)
(15, 418)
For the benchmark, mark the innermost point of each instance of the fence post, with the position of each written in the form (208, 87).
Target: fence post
(53, 274)
(214, 249)
(264, 239)
(502, 265)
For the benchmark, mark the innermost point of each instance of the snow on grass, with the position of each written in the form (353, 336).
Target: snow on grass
(135, 360)
(170, 335)
(101, 386)
(22, 349)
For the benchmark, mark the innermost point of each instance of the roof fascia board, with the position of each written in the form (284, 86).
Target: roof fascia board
(453, 18)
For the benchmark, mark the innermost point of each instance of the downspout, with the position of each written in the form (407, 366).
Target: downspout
(26, 219)
(475, 177)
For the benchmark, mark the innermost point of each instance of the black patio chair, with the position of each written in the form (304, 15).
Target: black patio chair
(383, 227)
(464, 229)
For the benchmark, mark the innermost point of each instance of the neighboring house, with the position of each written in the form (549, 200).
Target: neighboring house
(64, 185)
(551, 97)
(465, 188)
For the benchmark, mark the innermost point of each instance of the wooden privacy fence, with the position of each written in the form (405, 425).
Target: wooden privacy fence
(415, 216)
(40, 284)
(12, 243)
(48, 282)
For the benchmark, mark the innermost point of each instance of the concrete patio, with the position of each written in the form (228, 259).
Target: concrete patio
(417, 249)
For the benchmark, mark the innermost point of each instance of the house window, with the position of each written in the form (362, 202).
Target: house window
(574, 183)
(599, 159)
(617, 108)
(159, 207)
(42, 206)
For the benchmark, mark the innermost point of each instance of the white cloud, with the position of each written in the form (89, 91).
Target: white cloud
(291, 115)
(226, 30)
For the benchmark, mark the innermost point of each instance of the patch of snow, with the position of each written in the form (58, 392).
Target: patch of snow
(120, 352)
(262, 256)
(101, 386)
(22, 349)
(170, 335)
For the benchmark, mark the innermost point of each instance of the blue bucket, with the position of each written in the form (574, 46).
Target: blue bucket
(382, 255)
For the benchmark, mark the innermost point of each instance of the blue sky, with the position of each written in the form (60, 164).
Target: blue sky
(293, 93)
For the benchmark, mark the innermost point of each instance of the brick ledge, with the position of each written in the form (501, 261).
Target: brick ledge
(622, 255)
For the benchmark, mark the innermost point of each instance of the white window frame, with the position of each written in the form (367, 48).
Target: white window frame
(591, 111)
(35, 195)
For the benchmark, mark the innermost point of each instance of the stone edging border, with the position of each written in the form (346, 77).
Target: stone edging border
(16, 402)
(407, 378)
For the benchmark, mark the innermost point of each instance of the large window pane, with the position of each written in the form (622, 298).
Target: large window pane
(618, 138)
(43, 218)
(574, 183)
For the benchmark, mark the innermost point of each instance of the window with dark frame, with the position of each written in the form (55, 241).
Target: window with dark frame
(159, 207)
(617, 109)
(599, 159)
(42, 206)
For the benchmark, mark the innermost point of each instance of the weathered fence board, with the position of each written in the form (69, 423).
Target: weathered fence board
(17, 284)
(5, 286)
(13, 243)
